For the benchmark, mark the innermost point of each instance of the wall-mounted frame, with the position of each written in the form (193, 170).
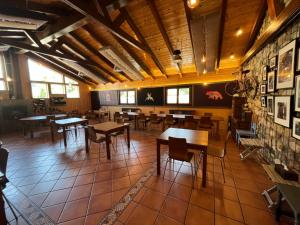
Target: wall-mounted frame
(273, 62)
(270, 105)
(298, 60)
(263, 101)
(296, 128)
(282, 110)
(265, 72)
(297, 94)
(286, 66)
(271, 81)
(263, 89)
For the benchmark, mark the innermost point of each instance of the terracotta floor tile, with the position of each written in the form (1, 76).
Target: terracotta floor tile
(120, 183)
(160, 185)
(52, 176)
(229, 209)
(100, 203)
(117, 195)
(198, 216)
(94, 219)
(127, 212)
(174, 208)
(64, 183)
(39, 199)
(142, 213)
(164, 220)
(203, 200)
(103, 176)
(221, 220)
(118, 173)
(87, 170)
(54, 211)
(79, 192)
(180, 191)
(153, 199)
(42, 187)
(79, 221)
(84, 179)
(252, 199)
(227, 192)
(74, 210)
(102, 187)
(57, 197)
(252, 215)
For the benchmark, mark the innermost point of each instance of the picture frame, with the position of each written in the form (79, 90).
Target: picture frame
(298, 60)
(273, 62)
(271, 81)
(263, 101)
(270, 105)
(297, 94)
(263, 88)
(264, 73)
(286, 66)
(282, 110)
(296, 128)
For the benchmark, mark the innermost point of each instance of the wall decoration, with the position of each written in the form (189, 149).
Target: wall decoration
(286, 61)
(263, 101)
(297, 97)
(282, 112)
(104, 98)
(273, 62)
(263, 88)
(270, 105)
(298, 61)
(150, 96)
(211, 95)
(264, 73)
(271, 81)
(296, 128)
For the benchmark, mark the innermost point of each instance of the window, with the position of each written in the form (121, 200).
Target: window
(45, 81)
(2, 77)
(178, 95)
(127, 97)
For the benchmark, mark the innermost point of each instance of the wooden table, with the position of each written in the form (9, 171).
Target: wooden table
(135, 117)
(29, 122)
(64, 123)
(108, 128)
(2, 207)
(196, 140)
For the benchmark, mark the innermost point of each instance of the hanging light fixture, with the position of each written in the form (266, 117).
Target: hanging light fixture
(193, 3)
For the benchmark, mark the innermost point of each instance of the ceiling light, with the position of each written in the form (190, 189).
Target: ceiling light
(203, 59)
(20, 22)
(121, 62)
(239, 32)
(204, 71)
(204, 84)
(177, 56)
(193, 3)
(126, 85)
(231, 56)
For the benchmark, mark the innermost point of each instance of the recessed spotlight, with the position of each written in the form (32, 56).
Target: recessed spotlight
(205, 84)
(203, 59)
(231, 56)
(126, 85)
(204, 71)
(193, 3)
(239, 32)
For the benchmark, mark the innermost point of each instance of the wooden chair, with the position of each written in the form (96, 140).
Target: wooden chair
(117, 115)
(178, 151)
(190, 124)
(3, 166)
(206, 124)
(169, 121)
(208, 114)
(95, 137)
(219, 153)
(118, 133)
(142, 119)
(154, 119)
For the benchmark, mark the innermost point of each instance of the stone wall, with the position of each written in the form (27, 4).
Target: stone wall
(281, 144)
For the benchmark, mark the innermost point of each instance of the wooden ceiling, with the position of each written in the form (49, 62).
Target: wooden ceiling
(146, 32)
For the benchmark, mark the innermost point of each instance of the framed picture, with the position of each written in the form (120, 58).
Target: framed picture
(263, 101)
(286, 66)
(263, 88)
(270, 105)
(297, 97)
(282, 110)
(271, 81)
(296, 128)
(264, 73)
(273, 62)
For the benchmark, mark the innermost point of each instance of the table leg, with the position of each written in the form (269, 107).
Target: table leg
(107, 140)
(135, 122)
(158, 156)
(278, 206)
(52, 132)
(128, 137)
(31, 131)
(86, 136)
(2, 209)
(218, 129)
(204, 167)
(65, 136)
(75, 131)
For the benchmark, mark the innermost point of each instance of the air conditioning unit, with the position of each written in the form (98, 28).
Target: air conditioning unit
(20, 22)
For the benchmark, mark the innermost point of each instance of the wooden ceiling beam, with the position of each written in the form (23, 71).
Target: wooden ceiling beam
(56, 45)
(143, 40)
(287, 15)
(32, 36)
(221, 31)
(257, 25)
(274, 8)
(163, 32)
(119, 20)
(90, 12)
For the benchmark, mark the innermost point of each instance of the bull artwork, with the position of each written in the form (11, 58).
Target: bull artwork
(149, 97)
(214, 95)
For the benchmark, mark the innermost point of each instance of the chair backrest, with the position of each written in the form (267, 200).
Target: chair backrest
(125, 115)
(151, 112)
(191, 124)
(189, 118)
(92, 133)
(3, 159)
(169, 117)
(153, 116)
(141, 116)
(207, 114)
(120, 120)
(161, 112)
(205, 120)
(226, 141)
(178, 149)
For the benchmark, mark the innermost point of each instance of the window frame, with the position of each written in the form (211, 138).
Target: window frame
(3, 71)
(36, 82)
(129, 90)
(177, 97)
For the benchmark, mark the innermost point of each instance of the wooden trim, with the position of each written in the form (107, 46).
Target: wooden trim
(286, 16)
(119, 20)
(274, 8)
(221, 31)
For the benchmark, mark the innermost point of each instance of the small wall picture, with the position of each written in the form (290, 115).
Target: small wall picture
(270, 105)
(264, 73)
(296, 128)
(297, 97)
(271, 81)
(286, 61)
(263, 88)
(263, 101)
(273, 62)
(298, 61)
(282, 111)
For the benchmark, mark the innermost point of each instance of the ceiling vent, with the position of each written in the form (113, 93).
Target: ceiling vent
(20, 22)
(121, 62)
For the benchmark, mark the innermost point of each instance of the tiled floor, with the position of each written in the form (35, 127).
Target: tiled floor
(75, 188)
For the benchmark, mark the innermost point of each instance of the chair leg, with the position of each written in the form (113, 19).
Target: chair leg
(222, 169)
(11, 208)
(193, 179)
(165, 167)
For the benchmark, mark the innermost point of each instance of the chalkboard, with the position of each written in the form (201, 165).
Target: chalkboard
(104, 98)
(150, 96)
(212, 95)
